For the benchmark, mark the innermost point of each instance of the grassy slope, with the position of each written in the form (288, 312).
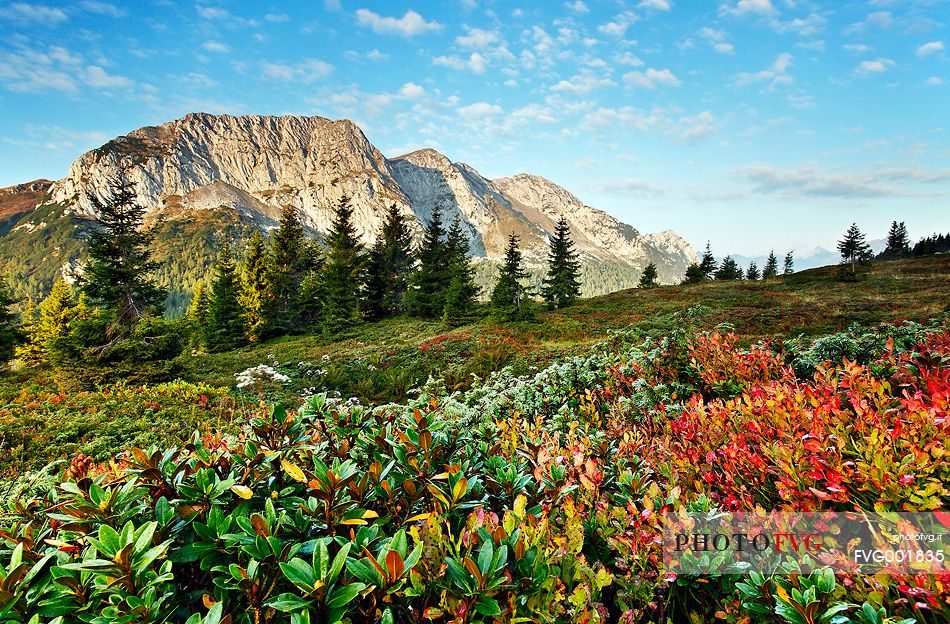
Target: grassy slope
(380, 361)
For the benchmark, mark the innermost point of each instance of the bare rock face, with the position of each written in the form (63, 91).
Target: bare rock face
(259, 164)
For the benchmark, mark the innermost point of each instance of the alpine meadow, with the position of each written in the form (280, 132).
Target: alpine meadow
(270, 354)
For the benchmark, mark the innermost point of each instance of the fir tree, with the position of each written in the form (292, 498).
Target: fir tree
(708, 263)
(51, 324)
(462, 291)
(728, 270)
(694, 274)
(116, 276)
(197, 316)
(771, 267)
(938, 243)
(287, 262)
(390, 263)
(752, 273)
(509, 294)
(648, 277)
(254, 284)
(561, 287)
(898, 242)
(789, 266)
(853, 248)
(11, 334)
(225, 329)
(429, 282)
(343, 274)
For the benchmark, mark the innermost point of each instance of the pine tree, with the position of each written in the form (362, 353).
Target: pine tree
(728, 270)
(116, 276)
(853, 248)
(11, 334)
(197, 317)
(225, 329)
(390, 263)
(789, 265)
(343, 274)
(771, 267)
(898, 242)
(694, 274)
(428, 283)
(462, 291)
(562, 286)
(648, 277)
(286, 268)
(752, 273)
(708, 263)
(509, 294)
(254, 285)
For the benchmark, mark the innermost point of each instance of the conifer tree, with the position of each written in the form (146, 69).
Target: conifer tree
(343, 273)
(752, 273)
(853, 247)
(562, 286)
(254, 284)
(389, 265)
(116, 276)
(287, 262)
(789, 265)
(771, 267)
(509, 294)
(694, 274)
(197, 316)
(430, 280)
(11, 333)
(708, 263)
(728, 270)
(225, 329)
(898, 242)
(462, 291)
(52, 322)
(648, 277)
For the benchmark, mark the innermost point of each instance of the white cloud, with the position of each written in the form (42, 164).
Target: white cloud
(676, 127)
(930, 48)
(934, 81)
(478, 110)
(651, 79)
(801, 101)
(878, 19)
(776, 74)
(411, 91)
(475, 63)
(582, 83)
(577, 7)
(856, 48)
(100, 78)
(877, 66)
(103, 8)
(304, 72)
(657, 5)
(629, 59)
(748, 7)
(22, 11)
(724, 48)
(619, 25)
(333, 5)
(696, 128)
(476, 38)
(812, 181)
(276, 18)
(409, 25)
(215, 46)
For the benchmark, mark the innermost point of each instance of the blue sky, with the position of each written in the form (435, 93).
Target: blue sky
(756, 124)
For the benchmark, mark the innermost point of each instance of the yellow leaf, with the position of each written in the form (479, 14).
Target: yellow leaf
(358, 521)
(242, 491)
(295, 473)
(422, 516)
(369, 514)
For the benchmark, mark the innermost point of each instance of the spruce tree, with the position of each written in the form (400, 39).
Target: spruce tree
(462, 291)
(562, 286)
(225, 329)
(898, 243)
(771, 267)
(286, 262)
(116, 276)
(789, 266)
(708, 263)
(853, 248)
(648, 277)
(254, 285)
(52, 322)
(694, 274)
(197, 317)
(343, 273)
(430, 280)
(11, 333)
(728, 270)
(752, 273)
(508, 296)
(390, 263)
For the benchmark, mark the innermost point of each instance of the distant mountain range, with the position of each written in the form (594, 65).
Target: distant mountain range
(806, 258)
(205, 176)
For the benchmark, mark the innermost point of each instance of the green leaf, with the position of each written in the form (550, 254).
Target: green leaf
(338, 562)
(288, 603)
(485, 556)
(299, 573)
(344, 595)
(487, 606)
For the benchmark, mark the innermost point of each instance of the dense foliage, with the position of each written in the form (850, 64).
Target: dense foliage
(525, 499)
